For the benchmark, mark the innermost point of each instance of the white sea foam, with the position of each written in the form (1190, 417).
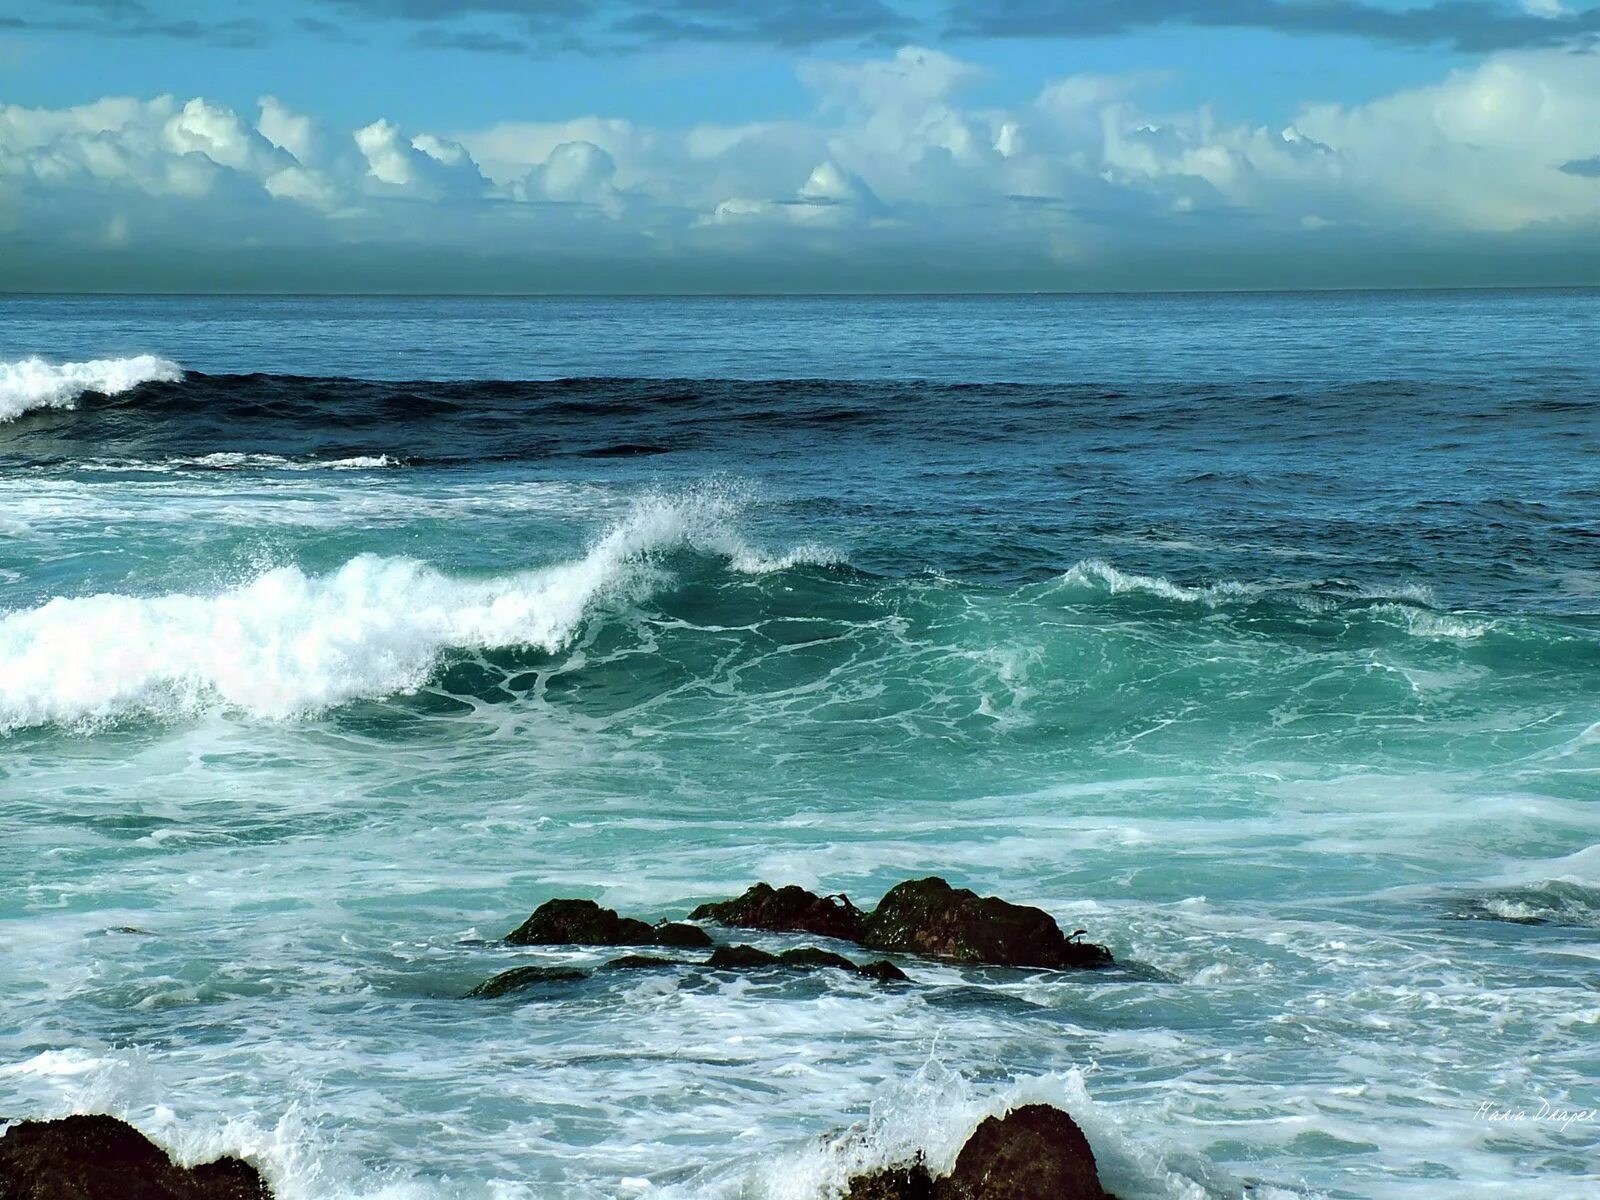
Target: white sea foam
(285, 642)
(931, 1115)
(231, 460)
(1099, 574)
(33, 383)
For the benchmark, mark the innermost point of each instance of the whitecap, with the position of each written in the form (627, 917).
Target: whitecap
(285, 642)
(34, 383)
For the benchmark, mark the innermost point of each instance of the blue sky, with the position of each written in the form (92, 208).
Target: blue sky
(641, 145)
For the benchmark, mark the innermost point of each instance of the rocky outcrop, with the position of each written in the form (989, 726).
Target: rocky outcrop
(102, 1158)
(682, 936)
(788, 909)
(928, 916)
(920, 916)
(1036, 1152)
(585, 923)
(805, 958)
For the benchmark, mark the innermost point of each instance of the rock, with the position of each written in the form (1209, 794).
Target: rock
(101, 1158)
(563, 922)
(789, 909)
(804, 958)
(583, 922)
(1036, 1152)
(894, 1183)
(739, 958)
(681, 936)
(642, 962)
(521, 978)
(928, 916)
(884, 971)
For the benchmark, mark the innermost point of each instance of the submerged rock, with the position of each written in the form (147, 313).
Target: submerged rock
(102, 1158)
(724, 958)
(519, 979)
(1036, 1152)
(789, 909)
(805, 958)
(642, 962)
(583, 922)
(928, 916)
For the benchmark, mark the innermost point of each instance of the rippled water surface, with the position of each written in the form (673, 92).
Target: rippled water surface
(1257, 635)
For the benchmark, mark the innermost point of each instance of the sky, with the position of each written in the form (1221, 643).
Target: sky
(659, 146)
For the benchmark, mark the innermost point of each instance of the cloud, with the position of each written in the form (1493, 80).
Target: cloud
(894, 170)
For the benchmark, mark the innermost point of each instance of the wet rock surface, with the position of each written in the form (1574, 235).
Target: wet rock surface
(928, 916)
(585, 923)
(920, 916)
(804, 958)
(789, 909)
(1036, 1152)
(102, 1158)
(520, 979)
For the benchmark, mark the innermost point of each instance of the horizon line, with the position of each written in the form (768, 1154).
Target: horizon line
(7, 294)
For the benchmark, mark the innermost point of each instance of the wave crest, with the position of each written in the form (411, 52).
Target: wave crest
(1097, 574)
(285, 642)
(33, 383)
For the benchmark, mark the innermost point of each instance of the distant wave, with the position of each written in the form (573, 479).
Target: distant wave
(285, 642)
(224, 460)
(34, 383)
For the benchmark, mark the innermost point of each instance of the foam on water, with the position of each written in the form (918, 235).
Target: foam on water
(33, 383)
(233, 460)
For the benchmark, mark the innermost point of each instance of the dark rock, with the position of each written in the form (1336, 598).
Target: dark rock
(585, 923)
(521, 978)
(642, 962)
(681, 936)
(788, 909)
(101, 1158)
(565, 922)
(803, 958)
(928, 916)
(811, 958)
(893, 1183)
(884, 971)
(1035, 1152)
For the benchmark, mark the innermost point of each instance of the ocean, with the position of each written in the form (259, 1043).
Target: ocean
(1257, 635)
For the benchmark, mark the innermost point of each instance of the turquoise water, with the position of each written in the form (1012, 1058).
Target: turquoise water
(1257, 635)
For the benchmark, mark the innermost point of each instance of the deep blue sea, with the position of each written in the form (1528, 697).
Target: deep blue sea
(1258, 635)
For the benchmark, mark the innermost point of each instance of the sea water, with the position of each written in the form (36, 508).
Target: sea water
(1258, 636)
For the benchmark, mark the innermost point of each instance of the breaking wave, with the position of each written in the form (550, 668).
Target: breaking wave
(34, 383)
(285, 642)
